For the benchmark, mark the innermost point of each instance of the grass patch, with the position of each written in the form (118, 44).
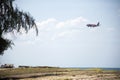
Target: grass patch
(19, 71)
(42, 72)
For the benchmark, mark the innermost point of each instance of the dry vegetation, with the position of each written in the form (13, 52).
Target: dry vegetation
(58, 74)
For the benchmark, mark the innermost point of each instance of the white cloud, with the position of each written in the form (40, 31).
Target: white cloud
(69, 32)
(60, 35)
(46, 22)
(64, 34)
(58, 24)
(71, 22)
(51, 29)
(76, 21)
(43, 24)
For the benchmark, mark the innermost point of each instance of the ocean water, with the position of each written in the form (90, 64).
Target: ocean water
(111, 69)
(117, 69)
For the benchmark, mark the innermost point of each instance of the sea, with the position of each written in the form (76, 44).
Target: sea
(83, 68)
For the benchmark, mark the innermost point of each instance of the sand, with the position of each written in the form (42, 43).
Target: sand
(81, 75)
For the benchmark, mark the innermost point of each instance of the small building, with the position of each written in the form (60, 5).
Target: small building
(7, 66)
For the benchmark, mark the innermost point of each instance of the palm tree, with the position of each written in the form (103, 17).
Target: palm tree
(11, 19)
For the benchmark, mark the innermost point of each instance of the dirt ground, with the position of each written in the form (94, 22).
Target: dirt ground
(80, 76)
(58, 74)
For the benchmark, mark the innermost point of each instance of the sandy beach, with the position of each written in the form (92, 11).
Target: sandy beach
(80, 75)
(58, 74)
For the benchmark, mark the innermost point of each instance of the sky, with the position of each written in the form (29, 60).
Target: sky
(64, 40)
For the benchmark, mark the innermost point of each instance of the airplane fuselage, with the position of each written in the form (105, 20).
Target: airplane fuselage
(93, 25)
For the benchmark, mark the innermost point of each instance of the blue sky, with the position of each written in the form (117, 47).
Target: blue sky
(64, 39)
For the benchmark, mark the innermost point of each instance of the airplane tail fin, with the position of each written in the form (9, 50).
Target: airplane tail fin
(98, 24)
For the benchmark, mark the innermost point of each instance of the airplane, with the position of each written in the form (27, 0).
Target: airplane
(93, 25)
